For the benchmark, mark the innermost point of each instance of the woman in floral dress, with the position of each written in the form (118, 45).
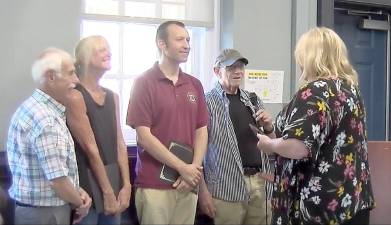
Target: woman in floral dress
(322, 174)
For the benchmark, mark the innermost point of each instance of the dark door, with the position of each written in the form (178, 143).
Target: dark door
(368, 53)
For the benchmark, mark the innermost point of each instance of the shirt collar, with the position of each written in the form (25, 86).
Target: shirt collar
(160, 75)
(220, 91)
(41, 96)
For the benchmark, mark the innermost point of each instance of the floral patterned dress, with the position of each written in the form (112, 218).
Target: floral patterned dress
(333, 183)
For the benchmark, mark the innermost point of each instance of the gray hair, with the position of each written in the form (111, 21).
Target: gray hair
(50, 59)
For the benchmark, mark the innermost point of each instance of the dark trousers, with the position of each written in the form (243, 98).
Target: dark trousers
(361, 218)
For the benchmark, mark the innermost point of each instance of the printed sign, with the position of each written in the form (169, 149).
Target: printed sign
(267, 84)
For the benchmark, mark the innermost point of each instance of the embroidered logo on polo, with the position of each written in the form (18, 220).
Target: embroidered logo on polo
(192, 98)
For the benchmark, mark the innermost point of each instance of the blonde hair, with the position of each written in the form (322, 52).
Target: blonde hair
(84, 50)
(321, 53)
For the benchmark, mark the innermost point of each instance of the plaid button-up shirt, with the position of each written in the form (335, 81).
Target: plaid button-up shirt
(40, 148)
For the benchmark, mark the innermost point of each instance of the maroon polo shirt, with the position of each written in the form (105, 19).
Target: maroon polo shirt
(172, 112)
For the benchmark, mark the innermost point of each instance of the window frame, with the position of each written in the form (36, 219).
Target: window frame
(198, 55)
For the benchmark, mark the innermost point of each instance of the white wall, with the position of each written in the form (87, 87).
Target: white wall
(27, 27)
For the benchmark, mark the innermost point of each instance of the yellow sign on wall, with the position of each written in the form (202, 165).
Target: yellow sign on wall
(267, 84)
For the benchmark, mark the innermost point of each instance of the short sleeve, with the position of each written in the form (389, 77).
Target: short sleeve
(51, 147)
(140, 105)
(308, 118)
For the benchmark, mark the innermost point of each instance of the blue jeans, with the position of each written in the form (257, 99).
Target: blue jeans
(100, 218)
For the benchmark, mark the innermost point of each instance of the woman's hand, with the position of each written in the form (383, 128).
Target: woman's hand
(264, 144)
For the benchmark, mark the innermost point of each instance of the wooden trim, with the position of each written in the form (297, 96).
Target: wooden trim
(379, 153)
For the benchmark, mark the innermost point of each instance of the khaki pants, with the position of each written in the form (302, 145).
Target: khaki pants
(155, 206)
(251, 212)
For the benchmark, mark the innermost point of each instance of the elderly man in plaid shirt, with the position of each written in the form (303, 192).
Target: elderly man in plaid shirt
(40, 148)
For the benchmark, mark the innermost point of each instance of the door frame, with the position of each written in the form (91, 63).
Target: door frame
(325, 9)
(325, 12)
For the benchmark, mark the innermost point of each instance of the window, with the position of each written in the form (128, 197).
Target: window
(130, 28)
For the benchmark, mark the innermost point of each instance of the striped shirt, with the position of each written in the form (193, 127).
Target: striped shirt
(223, 168)
(40, 148)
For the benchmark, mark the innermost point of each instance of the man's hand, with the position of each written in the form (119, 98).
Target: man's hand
(124, 197)
(191, 173)
(264, 119)
(111, 205)
(206, 203)
(82, 210)
(267, 176)
(181, 185)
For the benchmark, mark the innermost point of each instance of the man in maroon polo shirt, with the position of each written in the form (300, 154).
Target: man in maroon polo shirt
(168, 105)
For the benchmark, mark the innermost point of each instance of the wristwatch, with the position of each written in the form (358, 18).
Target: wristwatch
(268, 131)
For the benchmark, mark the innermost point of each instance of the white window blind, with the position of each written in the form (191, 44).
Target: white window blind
(191, 12)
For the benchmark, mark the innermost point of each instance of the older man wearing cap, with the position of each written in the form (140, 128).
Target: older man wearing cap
(233, 190)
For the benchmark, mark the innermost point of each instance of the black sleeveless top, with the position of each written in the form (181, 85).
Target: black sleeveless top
(104, 126)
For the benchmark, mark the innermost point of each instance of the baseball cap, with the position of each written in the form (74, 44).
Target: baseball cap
(228, 57)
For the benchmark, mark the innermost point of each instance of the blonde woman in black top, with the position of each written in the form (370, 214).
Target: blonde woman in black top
(93, 118)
